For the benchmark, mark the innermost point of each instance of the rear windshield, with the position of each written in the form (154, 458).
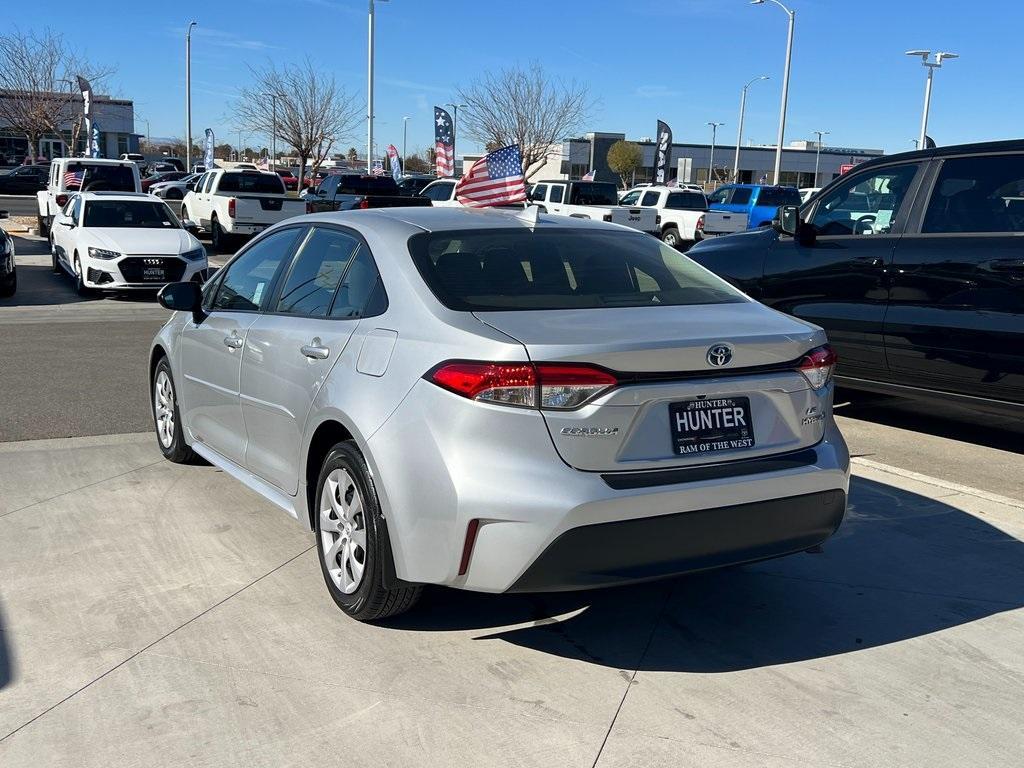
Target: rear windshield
(694, 201)
(594, 193)
(254, 183)
(100, 178)
(519, 269)
(367, 185)
(128, 214)
(776, 196)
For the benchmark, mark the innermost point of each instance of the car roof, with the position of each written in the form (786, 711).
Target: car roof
(981, 148)
(95, 161)
(660, 188)
(430, 219)
(87, 196)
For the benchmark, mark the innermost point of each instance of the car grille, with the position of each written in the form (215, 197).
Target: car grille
(133, 269)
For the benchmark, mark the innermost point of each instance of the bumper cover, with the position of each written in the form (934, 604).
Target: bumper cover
(649, 548)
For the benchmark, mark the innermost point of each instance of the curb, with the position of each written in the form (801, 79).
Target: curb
(950, 486)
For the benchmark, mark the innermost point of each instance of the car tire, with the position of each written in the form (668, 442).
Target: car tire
(670, 237)
(350, 539)
(166, 416)
(217, 237)
(42, 227)
(54, 258)
(9, 286)
(80, 287)
(174, 194)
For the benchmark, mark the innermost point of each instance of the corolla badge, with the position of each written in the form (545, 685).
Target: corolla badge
(719, 355)
(590, 431)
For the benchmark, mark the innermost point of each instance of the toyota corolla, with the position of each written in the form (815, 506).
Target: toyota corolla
(501, 402)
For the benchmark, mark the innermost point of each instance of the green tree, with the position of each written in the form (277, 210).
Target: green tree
(352, 155)
(625, 158)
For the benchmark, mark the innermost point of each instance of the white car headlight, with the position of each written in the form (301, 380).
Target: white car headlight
(100, 253)
(195, 255)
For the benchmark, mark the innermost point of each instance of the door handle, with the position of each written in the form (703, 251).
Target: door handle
(233, 341)
(314, 350)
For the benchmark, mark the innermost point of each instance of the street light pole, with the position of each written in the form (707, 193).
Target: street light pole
(711, 163)
(188, 96)
(931, 66)
(455, 123)
(817, 155)
(405, 140)
(369, 92)
(739, 132)
(785, 86)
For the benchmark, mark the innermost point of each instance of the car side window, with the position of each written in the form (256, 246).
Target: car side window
(328, 186)
(740, 196)
(630, 198)
(246, 283)
(362, 292)
(315, 273)
(719, 196)
(866, 204)
(557, 194)
(978, 194)
(650, 199)
(208, 184)
(540, 192)
(439, 193)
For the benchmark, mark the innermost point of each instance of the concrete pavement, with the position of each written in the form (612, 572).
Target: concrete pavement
(159, 615)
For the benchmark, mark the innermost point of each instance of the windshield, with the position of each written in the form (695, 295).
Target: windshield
(128, 214)
(256, 183)
(594, 193)
(95, 178)
(367, 185)
(517, 269)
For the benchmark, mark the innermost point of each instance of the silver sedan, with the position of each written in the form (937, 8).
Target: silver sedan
(498, 401)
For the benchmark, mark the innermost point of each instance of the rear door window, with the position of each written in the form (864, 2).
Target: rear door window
(739, 196)
(316, 273)
(557, 193)
(978, 194)
(518, 269)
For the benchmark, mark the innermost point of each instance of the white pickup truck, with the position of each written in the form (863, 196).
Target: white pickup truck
(231, 204)
(591, 200)
(680, 211)
(71, 175)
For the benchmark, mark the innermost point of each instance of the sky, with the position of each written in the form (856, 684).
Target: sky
(684, 61)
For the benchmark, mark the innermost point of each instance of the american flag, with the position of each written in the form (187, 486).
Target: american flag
(588, 176)
(444, 142)
(74, 178)
(494, 179)
(378, 167)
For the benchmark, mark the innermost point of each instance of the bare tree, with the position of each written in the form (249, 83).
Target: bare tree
(524, 107)
(38, 73)
(313, 112)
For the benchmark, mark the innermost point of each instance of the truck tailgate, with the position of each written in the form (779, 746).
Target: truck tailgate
(268, 209)
(724, 222)
(644, 219)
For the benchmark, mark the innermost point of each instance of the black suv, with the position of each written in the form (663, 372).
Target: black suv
(913, 264)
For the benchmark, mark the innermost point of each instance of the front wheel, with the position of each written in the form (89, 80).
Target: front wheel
(54, 258)
(9, 286)
(80, 287)
(350, 539)
(166, 417)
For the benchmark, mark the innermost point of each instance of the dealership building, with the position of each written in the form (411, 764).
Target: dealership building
(115, 119)
(690, 162)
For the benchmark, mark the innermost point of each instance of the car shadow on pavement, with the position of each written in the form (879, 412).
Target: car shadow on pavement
(902, 566)
(39, 286)
(6, 665)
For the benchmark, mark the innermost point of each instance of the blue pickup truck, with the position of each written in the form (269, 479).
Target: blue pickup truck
(737, 207)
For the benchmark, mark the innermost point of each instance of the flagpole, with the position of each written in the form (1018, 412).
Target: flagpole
(369, 98)
(188, 96)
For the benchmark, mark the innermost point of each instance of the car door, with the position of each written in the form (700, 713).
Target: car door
(956, 307)
(291, 349)
(841, 281)
(212, 349)
(556, 198)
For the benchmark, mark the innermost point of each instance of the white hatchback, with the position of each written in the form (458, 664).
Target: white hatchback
(122, 241)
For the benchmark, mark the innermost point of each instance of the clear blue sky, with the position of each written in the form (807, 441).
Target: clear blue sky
(681, 60)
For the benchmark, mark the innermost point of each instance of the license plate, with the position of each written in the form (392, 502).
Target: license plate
(711, 424)
(154, 273)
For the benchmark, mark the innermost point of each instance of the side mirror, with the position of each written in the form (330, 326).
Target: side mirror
(190, 226)
(183, 297)
(787, 220)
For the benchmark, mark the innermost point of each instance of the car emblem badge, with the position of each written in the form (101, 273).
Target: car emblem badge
(719, 355)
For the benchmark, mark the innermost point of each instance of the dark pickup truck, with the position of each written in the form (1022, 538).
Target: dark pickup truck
(348, 192)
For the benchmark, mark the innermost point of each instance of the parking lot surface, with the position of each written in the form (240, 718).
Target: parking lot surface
(159, 615)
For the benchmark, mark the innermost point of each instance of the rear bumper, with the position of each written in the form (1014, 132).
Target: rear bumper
(655, 547)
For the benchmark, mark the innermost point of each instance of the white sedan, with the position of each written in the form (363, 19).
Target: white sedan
(117, 241)
(173, 190)
(441, 193)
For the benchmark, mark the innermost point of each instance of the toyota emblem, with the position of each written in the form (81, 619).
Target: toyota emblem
(719, 355)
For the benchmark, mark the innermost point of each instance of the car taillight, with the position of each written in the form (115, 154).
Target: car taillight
(364, 204)
(62, 200)
(817, 366)
(231, 207)
(550, 386)
(700, 222)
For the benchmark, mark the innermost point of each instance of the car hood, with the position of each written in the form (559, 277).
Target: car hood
(144, 241)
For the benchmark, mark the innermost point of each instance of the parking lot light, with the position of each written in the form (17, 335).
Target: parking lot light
(711, 162)
(785, 85)
(931, 66)
(817, 155)
(739, 131)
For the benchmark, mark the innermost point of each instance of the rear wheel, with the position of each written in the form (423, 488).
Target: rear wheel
(671, 237)
(41, 226)
(218, 239)
(9, 285)
(350, 539)
(169, 435)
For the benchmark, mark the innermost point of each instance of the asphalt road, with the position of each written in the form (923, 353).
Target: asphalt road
(19, 205)
(70, 367)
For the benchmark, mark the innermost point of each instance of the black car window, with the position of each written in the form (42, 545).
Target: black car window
(687, 201)
(247, 282)
(740, 196)
(539, 192)
(719, 195)
(776, 196)
(650, 199)
(978, 194)
(316, 272)
(361, 293)
(129, 214)
(522, 269)
(630, 198)
(251, 182)
(90, 177)
(865, 204)
(439, 192)
(557, 193)
(327, 186)
(593, 193)
(351, 184)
